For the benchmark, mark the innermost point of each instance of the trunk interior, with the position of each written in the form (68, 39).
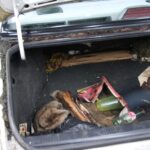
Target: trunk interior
(31, 86)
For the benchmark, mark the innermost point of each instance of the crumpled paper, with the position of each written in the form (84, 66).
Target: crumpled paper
(144, 78)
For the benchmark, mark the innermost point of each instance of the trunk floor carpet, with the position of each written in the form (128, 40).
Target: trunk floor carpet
(122, 75)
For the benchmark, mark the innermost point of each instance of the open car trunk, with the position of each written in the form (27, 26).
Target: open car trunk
(30, 85)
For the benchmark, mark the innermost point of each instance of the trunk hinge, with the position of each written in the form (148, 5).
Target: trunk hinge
(19, 31)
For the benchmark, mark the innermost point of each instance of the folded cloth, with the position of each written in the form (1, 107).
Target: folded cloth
(50, 116)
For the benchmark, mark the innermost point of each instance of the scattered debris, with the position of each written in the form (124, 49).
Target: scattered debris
(142, 49)
(86, 112)
(99, 118)
(67, 100)
(144, 79)
(96, 57)
(74, 52)
(89, 94)
(127, 116)
(98, 104)
(147, 59)
(134, 57)
(146, 85)
(23, 129)
(100, 99)
(50, 116)
(146, 101)
(55, 62)
(84, 107)
(59, 60)
(32, 129)
(92, 93)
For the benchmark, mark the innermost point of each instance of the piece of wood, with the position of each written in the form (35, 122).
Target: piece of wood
(67, 100)
(96, 57)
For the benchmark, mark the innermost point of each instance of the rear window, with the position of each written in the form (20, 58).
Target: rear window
(49, 10)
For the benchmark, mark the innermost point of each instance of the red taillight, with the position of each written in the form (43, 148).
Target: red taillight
(134, 13)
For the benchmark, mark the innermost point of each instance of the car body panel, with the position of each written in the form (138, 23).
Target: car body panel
(104, 31)
(86, 10)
